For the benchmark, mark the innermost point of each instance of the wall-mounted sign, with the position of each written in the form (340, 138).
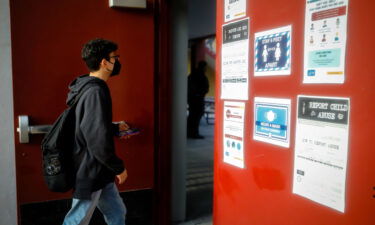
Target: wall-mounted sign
(233, 146)
(325, 41)
(272, 120)
(234, 9)
(234, 60)
(273, 52)
(321, 150)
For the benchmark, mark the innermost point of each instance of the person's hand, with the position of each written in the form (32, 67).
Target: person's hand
(122, 177)
(123, 126)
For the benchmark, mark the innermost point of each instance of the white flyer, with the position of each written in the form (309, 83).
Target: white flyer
(234, 9)
(233, 146)
(273, 52)
(325, 41)
(234, 61)
(272, 120)
(321, 150)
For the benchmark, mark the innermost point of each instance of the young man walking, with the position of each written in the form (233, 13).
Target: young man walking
(95, 161)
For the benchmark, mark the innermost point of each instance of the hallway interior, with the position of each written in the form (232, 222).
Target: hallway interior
(199, 183)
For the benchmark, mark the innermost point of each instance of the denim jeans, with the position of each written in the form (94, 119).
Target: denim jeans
(107, 200)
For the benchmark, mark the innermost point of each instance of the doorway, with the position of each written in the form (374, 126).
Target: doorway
(199, 152)
(199, 178)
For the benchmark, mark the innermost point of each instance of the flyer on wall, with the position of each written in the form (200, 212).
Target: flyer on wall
(233, 145)
(234, 9)
(321, 150)
(325, 41)
(234, 60)
(272, 121)
(272, 54)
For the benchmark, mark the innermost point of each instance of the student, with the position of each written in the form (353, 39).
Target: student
(197, 89)
(95, 161)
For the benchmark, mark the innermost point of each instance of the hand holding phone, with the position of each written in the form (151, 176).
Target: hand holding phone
(128, 133)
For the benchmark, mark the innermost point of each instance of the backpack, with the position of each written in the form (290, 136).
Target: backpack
(57, 150)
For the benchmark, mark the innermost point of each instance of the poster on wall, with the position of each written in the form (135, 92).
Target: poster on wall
(321, 150)
(233, 146)
(325, 41)
(234, 9)
(234, 60)
(272, 121)
(273, 52)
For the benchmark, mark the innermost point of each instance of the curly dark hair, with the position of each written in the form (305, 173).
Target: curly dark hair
(95, 50)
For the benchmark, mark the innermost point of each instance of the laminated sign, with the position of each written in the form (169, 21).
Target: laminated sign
(325, 41)
(273, 50)
(234, 113)
(272, 120)
(321, 150)
(234, 9)
(235, 60)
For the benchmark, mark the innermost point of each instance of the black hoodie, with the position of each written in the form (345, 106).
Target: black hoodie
(95, 160)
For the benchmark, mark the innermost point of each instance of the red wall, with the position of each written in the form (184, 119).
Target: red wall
(47, 37)
(261, 194)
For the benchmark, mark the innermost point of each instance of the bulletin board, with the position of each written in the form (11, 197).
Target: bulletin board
(330, 88)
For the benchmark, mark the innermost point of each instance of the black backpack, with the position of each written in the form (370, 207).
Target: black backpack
(57, 148)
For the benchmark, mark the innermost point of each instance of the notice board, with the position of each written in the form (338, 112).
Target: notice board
(262, 192)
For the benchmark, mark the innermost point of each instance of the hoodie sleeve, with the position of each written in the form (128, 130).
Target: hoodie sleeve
(97, 129)
(115, 129)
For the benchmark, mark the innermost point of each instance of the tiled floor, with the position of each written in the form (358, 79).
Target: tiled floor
(199, 183)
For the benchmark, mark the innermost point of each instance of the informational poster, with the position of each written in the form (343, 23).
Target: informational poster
(273, 52)
(234, 113)
(321, 150)
(234, 9)
(325, 41)
(234, 61)
(272, 120)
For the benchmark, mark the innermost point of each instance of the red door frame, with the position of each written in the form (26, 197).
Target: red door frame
(163, 87)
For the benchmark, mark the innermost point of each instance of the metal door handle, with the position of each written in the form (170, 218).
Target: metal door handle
(24, 129)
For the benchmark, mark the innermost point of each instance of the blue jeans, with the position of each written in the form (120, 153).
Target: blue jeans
(107, 200)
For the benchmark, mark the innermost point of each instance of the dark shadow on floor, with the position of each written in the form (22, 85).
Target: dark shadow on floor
(139, 205)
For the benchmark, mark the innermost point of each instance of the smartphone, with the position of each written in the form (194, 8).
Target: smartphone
(129, 132)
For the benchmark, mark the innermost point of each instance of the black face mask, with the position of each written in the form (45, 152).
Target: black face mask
(116, 68)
